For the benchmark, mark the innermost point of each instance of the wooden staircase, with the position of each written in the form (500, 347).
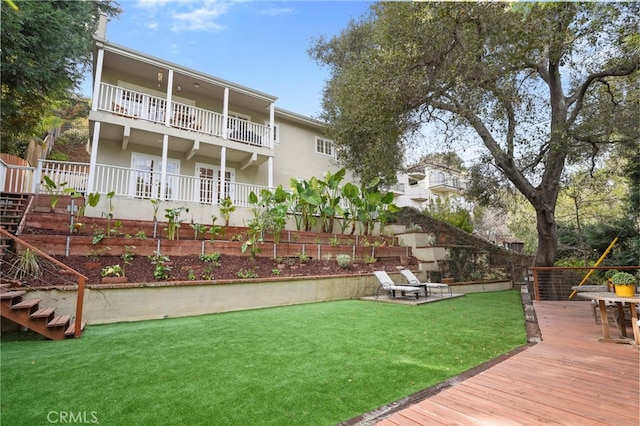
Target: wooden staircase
(28, 313)
(13, 207)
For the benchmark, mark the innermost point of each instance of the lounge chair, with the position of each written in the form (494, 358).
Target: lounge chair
(413, 280)
(387, 284)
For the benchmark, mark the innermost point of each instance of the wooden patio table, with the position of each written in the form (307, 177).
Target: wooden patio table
(602, 299)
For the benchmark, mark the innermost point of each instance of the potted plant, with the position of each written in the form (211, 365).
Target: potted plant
(625, 284)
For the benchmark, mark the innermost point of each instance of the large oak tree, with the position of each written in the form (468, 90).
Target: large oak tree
(522, 78)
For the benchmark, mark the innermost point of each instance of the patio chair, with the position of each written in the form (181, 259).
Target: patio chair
(413, 280)
(387, 284)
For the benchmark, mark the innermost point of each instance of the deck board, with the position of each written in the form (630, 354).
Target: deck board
(568, 378)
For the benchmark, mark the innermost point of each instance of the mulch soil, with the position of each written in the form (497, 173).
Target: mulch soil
(190, 268)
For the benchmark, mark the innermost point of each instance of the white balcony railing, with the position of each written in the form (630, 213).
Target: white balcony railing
(132, 183)
(453, 183)
(141, 106)
(15, 178)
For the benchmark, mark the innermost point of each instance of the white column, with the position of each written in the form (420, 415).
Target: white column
(91, 181)
(163, 176)
(272, 124)
(168, 114)
(98, 78)
(223, 172)
(225, 113)
(270, 172)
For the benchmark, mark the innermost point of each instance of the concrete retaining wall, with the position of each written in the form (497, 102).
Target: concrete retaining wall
(169, 300)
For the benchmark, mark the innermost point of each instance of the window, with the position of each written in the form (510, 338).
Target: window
(147, 174)
(209, 190)
(324, 147)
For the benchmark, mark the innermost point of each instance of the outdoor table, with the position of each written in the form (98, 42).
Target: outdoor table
(602, 299)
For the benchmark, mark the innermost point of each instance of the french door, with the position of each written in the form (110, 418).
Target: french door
(209, 190)
(147, 176)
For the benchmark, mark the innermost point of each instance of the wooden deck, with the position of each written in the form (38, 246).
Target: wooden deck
(569, 378)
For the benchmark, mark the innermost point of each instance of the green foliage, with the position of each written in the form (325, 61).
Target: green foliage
(46, 52)
(191, 276)
(369, 260)
(173, 216)
(198, 229)
(141, 235)
(453, 215)
(55, 191)
(28, 264)
(623, 278)
(344, 260)
(247, 273)
(496, 71)
(128, 256)
(112, 271)
(226, 208)
(213, 258)
(58, 156)
(276, 272)
(161, 265)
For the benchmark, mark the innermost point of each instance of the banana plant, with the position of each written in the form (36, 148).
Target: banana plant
(308, 198)
(351, 193)
(330, 205)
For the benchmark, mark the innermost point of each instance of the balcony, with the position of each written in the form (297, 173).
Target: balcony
(447, 185)
(125, 182)
(148, 108)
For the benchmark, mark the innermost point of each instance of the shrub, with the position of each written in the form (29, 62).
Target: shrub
(344, 260)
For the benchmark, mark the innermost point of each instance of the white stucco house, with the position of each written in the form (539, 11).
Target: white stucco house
(159, 130)
(429, 181)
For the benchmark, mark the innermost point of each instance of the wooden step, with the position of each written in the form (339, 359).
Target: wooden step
(27, 304)
(60, 321)
(12, 294)
(70, 331)
(43, 313)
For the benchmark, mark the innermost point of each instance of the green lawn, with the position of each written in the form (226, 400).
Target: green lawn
(315, 364)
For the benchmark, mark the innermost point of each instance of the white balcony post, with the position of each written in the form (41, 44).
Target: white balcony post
(94, 157)
(37, 178)
(272, 125)
(163, 177)
(98, 78)
(270, 172)
(225, 113)
(223, 172)
(167, 115)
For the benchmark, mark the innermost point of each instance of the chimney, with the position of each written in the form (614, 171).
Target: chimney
(101, 32)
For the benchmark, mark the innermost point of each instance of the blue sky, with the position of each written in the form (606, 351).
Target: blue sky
(259, 44)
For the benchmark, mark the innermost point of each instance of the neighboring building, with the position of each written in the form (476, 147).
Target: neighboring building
(427, 182)
(159, 130)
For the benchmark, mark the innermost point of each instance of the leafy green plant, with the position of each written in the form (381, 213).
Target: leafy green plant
(55, 191)
(369, 260)
(98, 235)
(610, 273)
(226, 208)
(112, 271)
(173, 216)
(247, 273)
(302, 256)
(276, 272)
(161, 267)
(213, 229)
(213, 258)
(128, 255)
(344, 260)
(198, 229)
(334, 241)
(109, 215)
(28, 263)
(191, 276)
(327, 257)
(207, 273)
(623, 278)
(96, 253)
(141, 235)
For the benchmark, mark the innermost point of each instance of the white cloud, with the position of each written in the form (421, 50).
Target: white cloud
(201, 19)
(277, 11)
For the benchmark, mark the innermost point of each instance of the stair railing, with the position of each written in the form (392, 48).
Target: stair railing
(81, 279)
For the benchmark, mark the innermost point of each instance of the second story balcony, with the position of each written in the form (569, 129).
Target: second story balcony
(447, 184)
(137, 105)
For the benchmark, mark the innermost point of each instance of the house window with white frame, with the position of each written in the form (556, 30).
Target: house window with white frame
(325, 147)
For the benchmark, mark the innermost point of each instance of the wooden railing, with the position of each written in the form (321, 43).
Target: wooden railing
(81, 278)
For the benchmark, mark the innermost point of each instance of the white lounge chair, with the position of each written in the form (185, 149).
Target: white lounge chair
(413, 280)
(387, 284)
